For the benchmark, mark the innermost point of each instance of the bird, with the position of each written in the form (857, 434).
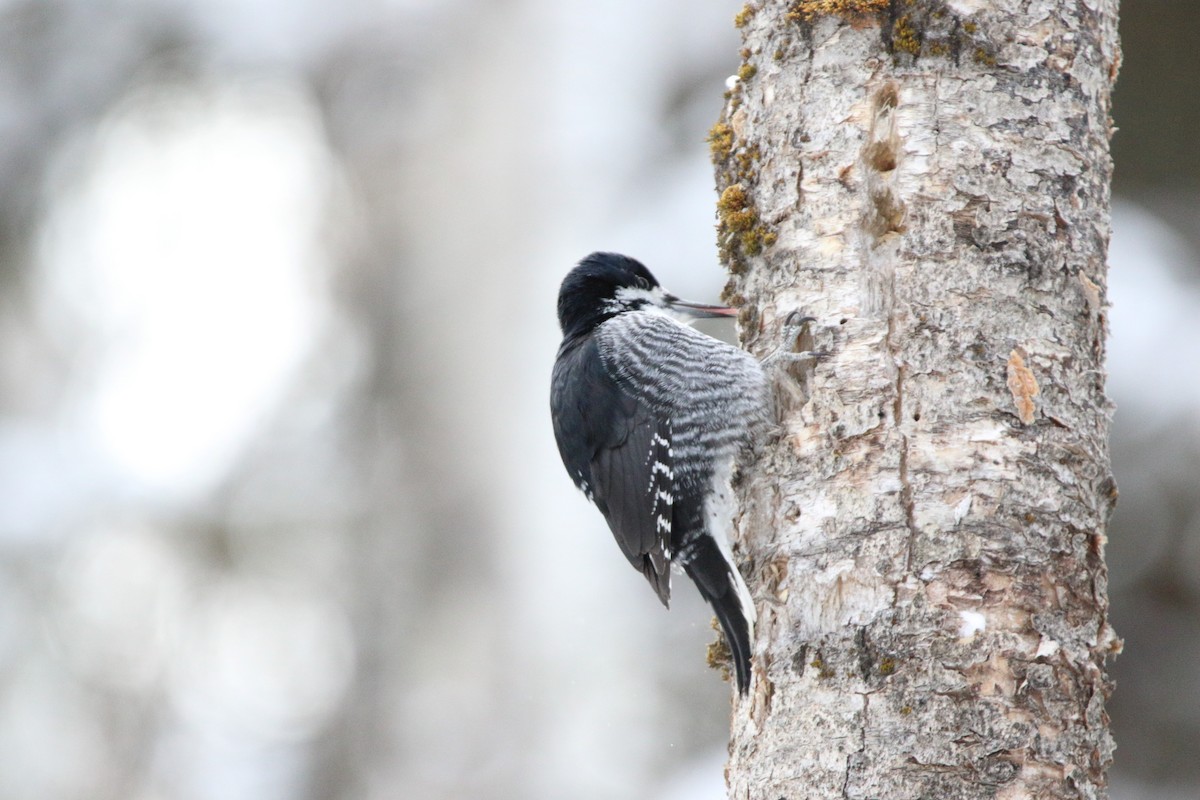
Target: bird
(650, 415)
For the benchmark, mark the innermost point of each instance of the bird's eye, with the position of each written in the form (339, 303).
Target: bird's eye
(643, 283)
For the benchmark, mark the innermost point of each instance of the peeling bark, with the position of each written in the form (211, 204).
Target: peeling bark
(930, 180)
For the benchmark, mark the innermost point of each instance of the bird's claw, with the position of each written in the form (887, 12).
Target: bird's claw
(798, 320)
(793, 327)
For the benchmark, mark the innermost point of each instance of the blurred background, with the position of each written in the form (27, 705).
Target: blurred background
(280, 510)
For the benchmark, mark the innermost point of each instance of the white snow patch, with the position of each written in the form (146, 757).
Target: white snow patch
(972, 623)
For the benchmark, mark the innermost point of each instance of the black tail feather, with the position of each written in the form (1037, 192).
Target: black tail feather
(707, 567)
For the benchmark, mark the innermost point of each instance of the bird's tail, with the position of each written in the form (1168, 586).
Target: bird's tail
(721, 585)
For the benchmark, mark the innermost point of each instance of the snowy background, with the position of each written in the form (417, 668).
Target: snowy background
(280, 510)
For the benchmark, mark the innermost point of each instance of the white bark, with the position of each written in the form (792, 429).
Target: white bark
(930, 180)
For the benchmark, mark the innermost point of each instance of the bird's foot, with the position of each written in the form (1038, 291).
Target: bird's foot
(794, 327)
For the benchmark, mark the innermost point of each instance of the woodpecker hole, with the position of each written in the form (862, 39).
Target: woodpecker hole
(881, 156)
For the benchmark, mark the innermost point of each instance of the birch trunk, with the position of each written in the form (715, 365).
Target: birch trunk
(930, 180)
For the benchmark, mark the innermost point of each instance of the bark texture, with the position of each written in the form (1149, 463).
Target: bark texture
(930, 180)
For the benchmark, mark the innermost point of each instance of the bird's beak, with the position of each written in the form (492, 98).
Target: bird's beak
(698, 310)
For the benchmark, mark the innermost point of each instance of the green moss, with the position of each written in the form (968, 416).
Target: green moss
(808, 10)
(740, 221)
(747, 71)
(733, 199)
(718, 655)
(740, 233)
(751, 242)
(823, 670)
(741, 19)
(887, 666)
(982, 56)
(905, 37)
(720, 142)
(735, 223)
(909, 27)
(745, 164)
(755, 239)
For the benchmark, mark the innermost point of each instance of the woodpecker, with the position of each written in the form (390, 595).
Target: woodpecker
(650, 415)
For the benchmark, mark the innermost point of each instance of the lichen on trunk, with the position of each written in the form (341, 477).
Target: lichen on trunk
(930, 180)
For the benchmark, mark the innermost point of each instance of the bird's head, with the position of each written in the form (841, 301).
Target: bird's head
(606, 284)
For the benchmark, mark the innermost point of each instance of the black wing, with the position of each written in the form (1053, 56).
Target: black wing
(619, 454)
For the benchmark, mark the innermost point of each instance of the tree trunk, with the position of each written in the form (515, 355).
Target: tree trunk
(930, 180)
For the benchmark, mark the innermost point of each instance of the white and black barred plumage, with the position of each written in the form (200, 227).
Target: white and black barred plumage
(649, 415)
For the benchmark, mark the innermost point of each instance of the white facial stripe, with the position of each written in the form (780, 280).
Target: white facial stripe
(633, 293)
(629, 295)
